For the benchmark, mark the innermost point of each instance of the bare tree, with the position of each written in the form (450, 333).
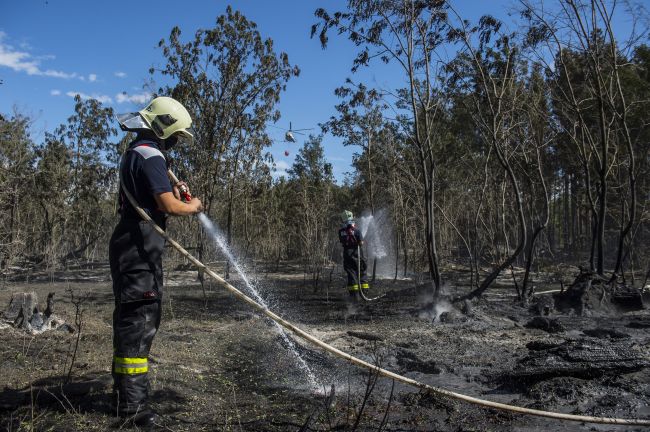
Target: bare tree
(407, 33)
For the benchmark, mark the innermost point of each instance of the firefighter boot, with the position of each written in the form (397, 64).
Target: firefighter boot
(143, 420)
(146, 419)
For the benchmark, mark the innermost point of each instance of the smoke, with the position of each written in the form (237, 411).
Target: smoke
(350, 310)
(440, 307)
(433, 309)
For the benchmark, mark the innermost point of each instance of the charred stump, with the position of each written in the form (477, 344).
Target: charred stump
(626, 298)
(21, 309)
(23, 313)
(590, 292)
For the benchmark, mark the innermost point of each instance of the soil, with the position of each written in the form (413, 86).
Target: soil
(217, 365)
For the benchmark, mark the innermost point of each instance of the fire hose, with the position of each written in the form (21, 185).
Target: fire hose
(362, 363)
(363, 295)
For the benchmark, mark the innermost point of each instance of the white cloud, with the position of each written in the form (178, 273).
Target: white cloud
(92, 77)
(98, 98)
(55, 92)
(22, 61)
(140, 98)
(279, 169)
(277, 174)
(120, 74)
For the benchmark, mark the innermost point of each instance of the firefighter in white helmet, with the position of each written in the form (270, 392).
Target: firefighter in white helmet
(136, 249)
(354, 263)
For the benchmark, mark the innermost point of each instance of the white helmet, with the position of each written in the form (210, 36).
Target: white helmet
(165, 116)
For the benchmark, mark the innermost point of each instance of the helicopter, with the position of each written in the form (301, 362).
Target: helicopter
(288, 136)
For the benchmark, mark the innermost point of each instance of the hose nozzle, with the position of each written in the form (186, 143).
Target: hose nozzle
(184, 191)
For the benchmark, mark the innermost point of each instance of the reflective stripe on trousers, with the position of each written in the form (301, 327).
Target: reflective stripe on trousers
(355, 287)
(130, 365)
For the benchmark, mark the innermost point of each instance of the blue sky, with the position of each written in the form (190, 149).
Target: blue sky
(51, 50)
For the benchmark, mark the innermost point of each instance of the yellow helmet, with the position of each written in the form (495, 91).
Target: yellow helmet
(165, 116)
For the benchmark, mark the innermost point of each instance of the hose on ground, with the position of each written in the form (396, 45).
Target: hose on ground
(359, 284)
(364, 364)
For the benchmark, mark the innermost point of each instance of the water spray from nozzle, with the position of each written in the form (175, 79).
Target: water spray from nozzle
(220, 241)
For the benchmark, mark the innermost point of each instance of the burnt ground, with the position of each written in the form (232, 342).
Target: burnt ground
(218, 365)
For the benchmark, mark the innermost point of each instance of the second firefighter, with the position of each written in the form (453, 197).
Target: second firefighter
(354, 263)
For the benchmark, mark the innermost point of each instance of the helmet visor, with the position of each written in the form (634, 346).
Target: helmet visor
(132, 121)
(186, 136)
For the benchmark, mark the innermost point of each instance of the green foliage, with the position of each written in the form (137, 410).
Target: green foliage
(310, 167)
(311, 216)
(520, 147)
(230, 79)
(16, 181)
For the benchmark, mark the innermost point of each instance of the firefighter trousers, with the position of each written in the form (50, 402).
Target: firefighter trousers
(135, 253)
(352, 263)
